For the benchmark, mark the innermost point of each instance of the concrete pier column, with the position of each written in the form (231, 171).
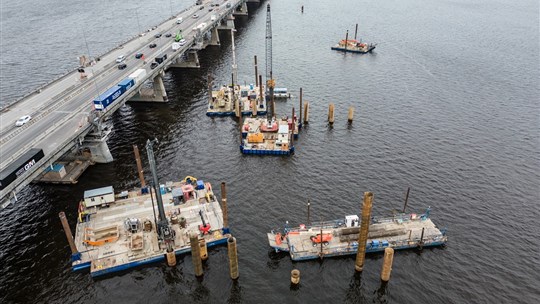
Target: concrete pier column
(214, 37)
(242, 10)
(159, 87)
(155, 94)
(190, 59)
(230, 22)
(99, 151)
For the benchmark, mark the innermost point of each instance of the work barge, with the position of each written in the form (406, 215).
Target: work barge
(263, 136)
(119, 231)
(118, 234)
(353, 45)
(340, 237)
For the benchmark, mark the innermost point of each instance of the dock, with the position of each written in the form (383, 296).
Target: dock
(116, 232)
(340, 237)
(64, 172)
(263, 137)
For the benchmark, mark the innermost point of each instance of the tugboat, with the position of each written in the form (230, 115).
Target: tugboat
(353, 45)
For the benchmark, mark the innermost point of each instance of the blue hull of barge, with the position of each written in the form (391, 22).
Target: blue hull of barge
(224, 114)
(138, 263)
(266, 152)
(351, 50)
(368, 250)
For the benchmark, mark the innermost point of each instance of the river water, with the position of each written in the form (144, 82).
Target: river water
(448, 104)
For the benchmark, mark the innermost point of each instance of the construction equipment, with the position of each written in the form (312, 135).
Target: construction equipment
(270, 84)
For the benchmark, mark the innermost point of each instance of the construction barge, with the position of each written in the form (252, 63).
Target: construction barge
(353, 45)
(340, 237)
(248, 99)
(119, 232)
(262, 136)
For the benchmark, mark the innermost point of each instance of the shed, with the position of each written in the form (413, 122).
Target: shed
(99, 196)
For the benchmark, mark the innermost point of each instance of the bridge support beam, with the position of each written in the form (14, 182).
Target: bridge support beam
(190, 60)
(242, 10)
(156, 93)
(214, 37)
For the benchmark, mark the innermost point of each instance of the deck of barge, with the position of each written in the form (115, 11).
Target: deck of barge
(114, 248)
(400, 232)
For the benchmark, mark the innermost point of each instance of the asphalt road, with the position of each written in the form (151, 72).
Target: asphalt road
(60, 110)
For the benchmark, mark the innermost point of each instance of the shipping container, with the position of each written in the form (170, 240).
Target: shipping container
(138, 75)
(105, 99)
(127, 83)
(20, 166)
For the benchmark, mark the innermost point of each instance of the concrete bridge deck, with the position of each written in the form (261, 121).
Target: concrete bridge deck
(61, 111)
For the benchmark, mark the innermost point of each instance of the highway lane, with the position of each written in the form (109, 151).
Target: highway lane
(42, 133)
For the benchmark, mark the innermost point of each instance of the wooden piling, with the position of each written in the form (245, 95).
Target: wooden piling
(300, 109)
(306, 113)
(331, 113)
(421, 243)
(406, 199)
(261, 89)
(224, 205)
(171, 258)
(308, 213)
(351, 114)
(387, 264)
(203, 249)
(233, 258)
(196, 254)
(364, 229)
(292, 128)
(67, 230)
(295, 276)
(256, 72)
(139, 165)
(254, 107)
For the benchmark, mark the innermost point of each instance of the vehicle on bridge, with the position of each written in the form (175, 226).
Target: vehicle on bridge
(139, 55)
(179, 20)
(168, 35)
(178, 36)
(195, 16)
(21, 121)
(120, 58)
(152, 45)
(122, 66)
(20, 166)
(161, 58)
(154, 65)
(158, 35)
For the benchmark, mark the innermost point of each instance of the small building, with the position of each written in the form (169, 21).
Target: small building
(283, 135)
(55, 171)
(99, 196)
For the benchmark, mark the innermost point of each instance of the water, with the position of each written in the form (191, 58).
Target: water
(448, 105)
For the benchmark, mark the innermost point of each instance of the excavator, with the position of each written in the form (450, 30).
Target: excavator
(178, 36)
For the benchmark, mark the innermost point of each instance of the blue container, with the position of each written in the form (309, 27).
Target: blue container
(105, 99)
(385, 243)
(200, 185)
(162, 189)
(126, 83)
(251, 86)
(144, 190)
(374, 243)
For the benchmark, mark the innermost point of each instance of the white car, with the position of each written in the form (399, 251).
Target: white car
(182, 42)
(120, 58)
(23, 120)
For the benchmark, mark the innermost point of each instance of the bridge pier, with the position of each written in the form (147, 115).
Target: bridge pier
(241, 10)
(156, 93)
(191, 61)
(96, 144)
(214, 38)
(228, 24)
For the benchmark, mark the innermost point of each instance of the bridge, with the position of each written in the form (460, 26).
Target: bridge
(65, 118)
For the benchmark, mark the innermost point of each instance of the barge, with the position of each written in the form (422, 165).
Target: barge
(340, 237)
(119, 232)
(353, 45)
(247, 97)
(261, 136)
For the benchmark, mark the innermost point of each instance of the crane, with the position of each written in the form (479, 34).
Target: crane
(269, 80)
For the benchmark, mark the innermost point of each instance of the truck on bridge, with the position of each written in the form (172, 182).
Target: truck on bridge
(20, 166)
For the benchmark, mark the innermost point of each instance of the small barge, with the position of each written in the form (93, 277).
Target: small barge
(281, 93)
(118, 232)
(261, 136)
(340, 237)
(353, 45)
(247, 97)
